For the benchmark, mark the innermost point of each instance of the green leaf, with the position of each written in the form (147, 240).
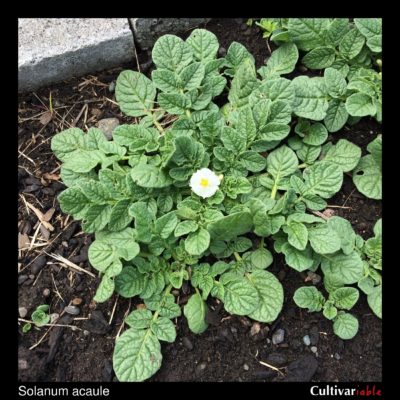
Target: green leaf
(371, 28)
(300, 260)
(204, 44)
(276, 89)
(95, 191)
(233, 140)
(137, 137)
(120, 217)
(345, 326)
(336, 115)
(185, 227)
(323, 179)
(192, 76)
(261, 258)
(101, 255)
(73, 201)
(310, 97)
(235, 56)
(135, 93)
(164, 329)
(82, 161)
(274, 131)
(67, 142)
(315, 135)
(344, 154)
(360, 105)
(149, 176)
(308, 154)
(337, 29)
(246, 126)
(105, 289)
(351, 44)
(344, 231)
(243, 84)
(348, 268)
(335, 83)
(137, 355)
(319, 57)
(270, 292)
(129, 283)
(197, 242)
(378, 227)
(195, 312)
(252, 161)
(241, 297)
(309, 297)
(166, 80)
(282, 162)
(174, 103)
(323, 239)
(40, 316)
(307, 33)
(302, 217)
(367, 177)
(375, 301)
(96, 218)
(330, 311)
(282, 61)
(172, 53)
(297, 234)
(166, 224)
(345, 297)
(124, 242)
(232, 225)
(139, 319)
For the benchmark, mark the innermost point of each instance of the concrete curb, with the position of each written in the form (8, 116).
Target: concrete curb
(51, 50)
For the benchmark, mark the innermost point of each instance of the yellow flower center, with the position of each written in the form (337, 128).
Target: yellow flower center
(204, 182)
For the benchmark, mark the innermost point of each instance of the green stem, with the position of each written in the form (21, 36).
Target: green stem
(188, 113)
(166, 291)
(304, 165)
(237, 256)
(274, 190)
(158, 126)
(261, 243)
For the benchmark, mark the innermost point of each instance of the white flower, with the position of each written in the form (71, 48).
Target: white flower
(204, 182)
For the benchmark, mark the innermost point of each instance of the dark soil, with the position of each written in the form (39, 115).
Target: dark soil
(227, 351)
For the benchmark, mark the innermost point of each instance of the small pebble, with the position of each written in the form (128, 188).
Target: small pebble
(46, 292)
(76, 301)
(246, 367)
(187, 343)
(200, 368)
(306, 340)
(111, 87)
(86, 333)
(22, 364)
(313, 349)
(31, 276)
(337, 356)
(22, 279)
(278, 337)
(255, 329)
(233, 329)
(73, 310)
(22, 311)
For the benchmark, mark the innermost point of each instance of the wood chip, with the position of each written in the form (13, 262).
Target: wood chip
(23, 240)
(51, 177)
(49, 213)
(46, 118)
(39, 214)
(45, 232)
